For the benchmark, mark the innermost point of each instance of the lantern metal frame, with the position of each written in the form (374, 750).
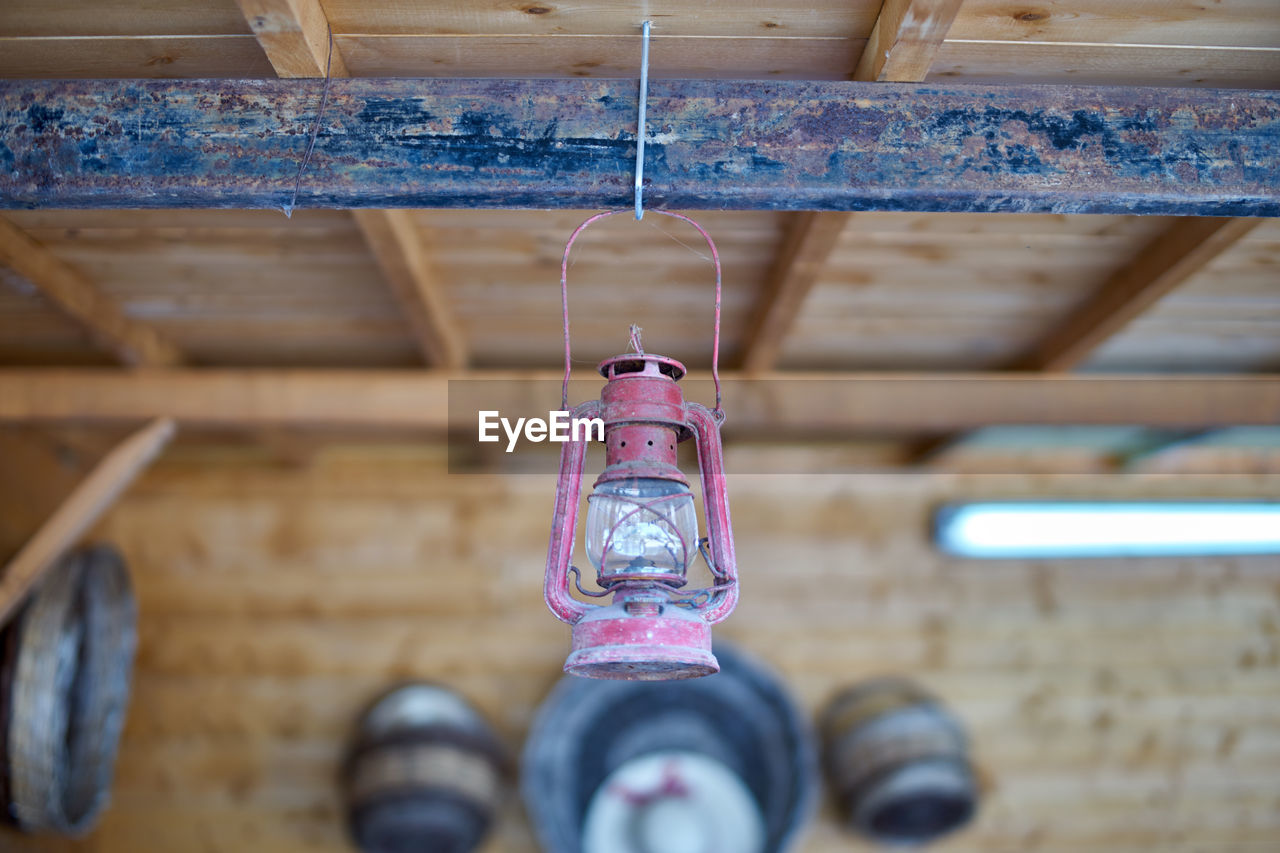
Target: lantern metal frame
(652, 630)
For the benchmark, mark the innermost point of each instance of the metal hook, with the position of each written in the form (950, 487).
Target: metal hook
(640, 123)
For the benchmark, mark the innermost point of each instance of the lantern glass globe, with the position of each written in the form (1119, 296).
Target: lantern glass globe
(641, 525)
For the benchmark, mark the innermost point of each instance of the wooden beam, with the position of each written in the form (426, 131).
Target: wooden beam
(393, 240)
(776, 404)
(905, 39)
(906, 36)
(296, 38)
(72, 293)
(805, 249)
(732, 144)
(82, 508)
(1163, 264)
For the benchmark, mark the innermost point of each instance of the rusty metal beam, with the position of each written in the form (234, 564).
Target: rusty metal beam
(773, 404)
(795, 145)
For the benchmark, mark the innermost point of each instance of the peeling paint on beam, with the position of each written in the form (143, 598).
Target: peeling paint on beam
(777, 145)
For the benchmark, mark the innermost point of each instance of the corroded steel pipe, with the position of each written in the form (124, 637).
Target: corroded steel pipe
(712, 144)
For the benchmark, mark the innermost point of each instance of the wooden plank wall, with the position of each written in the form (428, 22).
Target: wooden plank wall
(1115, 705)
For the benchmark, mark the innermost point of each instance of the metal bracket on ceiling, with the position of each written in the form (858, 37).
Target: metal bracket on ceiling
(640, 123)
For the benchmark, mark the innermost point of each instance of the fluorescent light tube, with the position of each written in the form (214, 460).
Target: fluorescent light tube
(1108, 529)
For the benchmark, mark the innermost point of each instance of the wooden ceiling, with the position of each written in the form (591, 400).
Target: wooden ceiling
(899, 291)
(838, 292)
(1115, 42)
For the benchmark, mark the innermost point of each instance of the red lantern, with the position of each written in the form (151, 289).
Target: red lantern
(641, 522)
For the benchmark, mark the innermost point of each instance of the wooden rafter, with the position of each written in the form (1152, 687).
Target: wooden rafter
(801, 259)
(393, 238)
(904, 40)
(1179, 252)
(777, 404)
(906, 36)
(295, 36)
(84, 506)
(76, 296)
(1175, 255)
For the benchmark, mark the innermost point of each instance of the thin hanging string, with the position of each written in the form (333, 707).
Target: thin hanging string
(637, 346)
(564, 303)
(640, 122)
(315, 130)
(674, 239)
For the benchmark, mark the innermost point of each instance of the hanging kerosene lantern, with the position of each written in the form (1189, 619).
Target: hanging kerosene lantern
(642, 531)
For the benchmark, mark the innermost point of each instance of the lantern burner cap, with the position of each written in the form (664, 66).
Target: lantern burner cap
(642, 363)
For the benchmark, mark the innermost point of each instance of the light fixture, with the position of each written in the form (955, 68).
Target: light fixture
(1109, 529)
(641, 530)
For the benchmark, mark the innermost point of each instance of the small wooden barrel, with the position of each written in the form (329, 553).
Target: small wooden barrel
(425, 772)
(898, 762)
(67, 657)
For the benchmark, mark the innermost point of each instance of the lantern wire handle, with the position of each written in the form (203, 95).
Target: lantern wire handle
(564, 302)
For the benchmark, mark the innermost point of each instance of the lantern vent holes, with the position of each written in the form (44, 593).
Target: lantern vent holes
(621, 367)
(625, 366)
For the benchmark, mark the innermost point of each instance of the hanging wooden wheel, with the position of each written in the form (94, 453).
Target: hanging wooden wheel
(64, 685)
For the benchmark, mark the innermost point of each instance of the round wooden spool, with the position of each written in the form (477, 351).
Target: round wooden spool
(64, 686)
(425, 772)
(898, 762)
